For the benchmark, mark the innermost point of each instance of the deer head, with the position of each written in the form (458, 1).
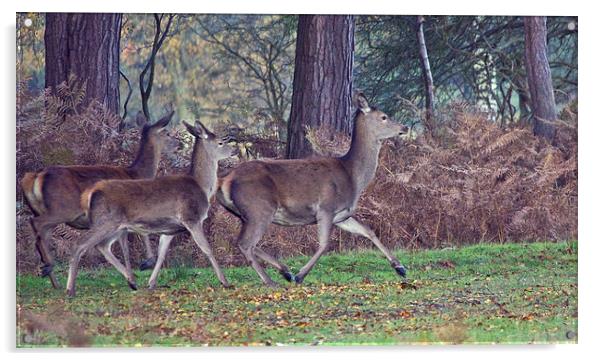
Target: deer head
(154, 139)
(375, 123)
(158, 133)
(215, 148)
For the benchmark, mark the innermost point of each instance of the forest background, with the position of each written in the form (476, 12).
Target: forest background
(471, 171)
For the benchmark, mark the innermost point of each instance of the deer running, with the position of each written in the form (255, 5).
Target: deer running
(308, 191)
(164, 205)
(53, 194)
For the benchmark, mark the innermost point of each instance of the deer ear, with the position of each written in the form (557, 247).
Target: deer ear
(162, 123)
(192, 129)
(200, 129)
(362, 103)
(206, 133)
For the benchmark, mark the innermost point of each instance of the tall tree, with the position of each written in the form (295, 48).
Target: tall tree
(539, 77)
(322, 83)
(426, 69)
(86, 45)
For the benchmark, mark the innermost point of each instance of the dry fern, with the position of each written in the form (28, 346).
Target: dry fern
(505, 140)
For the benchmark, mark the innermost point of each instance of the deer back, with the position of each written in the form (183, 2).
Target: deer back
(57, 189)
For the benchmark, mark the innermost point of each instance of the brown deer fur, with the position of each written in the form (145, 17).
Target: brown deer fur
(308, 191)
(165, 205)
(53, 194)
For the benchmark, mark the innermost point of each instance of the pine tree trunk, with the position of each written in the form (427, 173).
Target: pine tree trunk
(86, 45)
(539, 77)
(427, 76)
(322, 84)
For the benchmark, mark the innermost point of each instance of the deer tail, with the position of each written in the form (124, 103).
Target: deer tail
(85, 200)
(90, 198)
(32, 185)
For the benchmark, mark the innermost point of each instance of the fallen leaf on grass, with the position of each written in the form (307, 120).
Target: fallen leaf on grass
(408, 285)
(528, 317)
(544, 257)
(446, 264)
(405, 314)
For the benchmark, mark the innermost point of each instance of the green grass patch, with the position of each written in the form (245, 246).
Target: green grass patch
(515, 293)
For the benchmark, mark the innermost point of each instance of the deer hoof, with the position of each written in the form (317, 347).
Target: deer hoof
(148, 263)
(298, 279)
(133, 285)
(400, 271)
(287, 275)
(70, 293)
(46, 270)
(272, 285)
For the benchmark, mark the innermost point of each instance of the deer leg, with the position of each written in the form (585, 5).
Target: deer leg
(164, 242)
(125, 250)
(250, 235)
(105, 249)
(42, 229)
(281, 267)
(354, 226)
(198, 236)
(150, 260)
(324, 229)
(96, 237)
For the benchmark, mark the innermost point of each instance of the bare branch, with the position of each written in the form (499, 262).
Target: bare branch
(158, 39)
(127, 99)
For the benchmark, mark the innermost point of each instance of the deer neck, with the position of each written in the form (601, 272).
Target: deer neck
(362, 158)
(146, 163)
(204, 170)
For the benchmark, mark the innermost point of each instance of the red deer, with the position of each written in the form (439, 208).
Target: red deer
(53, 194)
(308, 191)
(164, 205)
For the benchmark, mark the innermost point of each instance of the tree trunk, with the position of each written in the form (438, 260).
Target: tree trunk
(539, 77)
(86, 45)
(322, 84)
(426, 70)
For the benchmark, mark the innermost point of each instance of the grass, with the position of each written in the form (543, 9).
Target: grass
(514, 293)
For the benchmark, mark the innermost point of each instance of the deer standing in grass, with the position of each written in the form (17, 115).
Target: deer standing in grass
(53, 194)
(164, 205)
(308, 191)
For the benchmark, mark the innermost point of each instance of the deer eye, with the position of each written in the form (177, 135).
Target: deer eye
(384, 117)
(221, 144)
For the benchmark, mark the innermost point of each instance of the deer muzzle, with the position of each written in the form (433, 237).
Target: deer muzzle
(403, 129)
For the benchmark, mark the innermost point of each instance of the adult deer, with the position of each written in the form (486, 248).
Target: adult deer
(308, 191)
(165, 205)
(53, 194)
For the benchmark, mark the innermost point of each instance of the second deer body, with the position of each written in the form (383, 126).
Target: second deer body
(165, 205)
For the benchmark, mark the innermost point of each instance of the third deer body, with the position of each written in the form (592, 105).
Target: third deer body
(308, 191)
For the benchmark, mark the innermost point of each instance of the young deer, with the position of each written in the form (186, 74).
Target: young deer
(165, 205)
(308, 191)
(53, 194)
